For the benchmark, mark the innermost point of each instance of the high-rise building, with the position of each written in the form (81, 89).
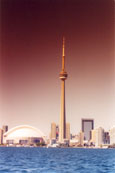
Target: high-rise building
(57, 131)
(63, 76)
(81, 138)
(106, 138)
(99, 136)
(68, 131)
(1, 136)
(87, 126)
(93, 136)
(5, 128)
(53, 130)
(112, 135)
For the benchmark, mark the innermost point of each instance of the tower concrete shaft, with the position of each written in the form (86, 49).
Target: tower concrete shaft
(63, 77)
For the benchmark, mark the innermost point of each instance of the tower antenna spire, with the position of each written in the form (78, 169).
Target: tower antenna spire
(63, 55)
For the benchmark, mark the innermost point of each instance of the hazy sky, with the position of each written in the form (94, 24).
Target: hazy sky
(31, 52)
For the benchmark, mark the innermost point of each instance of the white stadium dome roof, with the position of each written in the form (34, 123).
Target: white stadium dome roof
(23, 131)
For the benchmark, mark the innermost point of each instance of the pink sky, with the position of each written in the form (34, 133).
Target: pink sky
(31, 61)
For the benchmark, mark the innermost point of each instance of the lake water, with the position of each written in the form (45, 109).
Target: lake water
(56, 160)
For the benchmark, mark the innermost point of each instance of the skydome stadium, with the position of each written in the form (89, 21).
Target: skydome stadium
(23, 135)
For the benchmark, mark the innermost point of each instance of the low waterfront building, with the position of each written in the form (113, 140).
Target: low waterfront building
(73, 142)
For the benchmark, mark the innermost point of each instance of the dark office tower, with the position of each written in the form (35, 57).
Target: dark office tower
(1, 136)
(57, 132)
(87, 126)
(5, 129)
(106, 138)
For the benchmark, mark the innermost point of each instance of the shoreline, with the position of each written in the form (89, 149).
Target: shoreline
(57, 147)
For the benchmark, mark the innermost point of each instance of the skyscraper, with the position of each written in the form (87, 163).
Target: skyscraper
(68, 131)
(99, 136)
(57, 131)
(112, 135)
(5, 128)
(1, 136)
(53, 131)
(93, 136)
(81, 138)
(63, 76)
(87, 126)
(106, 138)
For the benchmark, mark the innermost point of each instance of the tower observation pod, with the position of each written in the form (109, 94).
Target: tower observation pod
(63, 76)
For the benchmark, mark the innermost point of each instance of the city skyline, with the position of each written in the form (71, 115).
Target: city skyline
(31, 60)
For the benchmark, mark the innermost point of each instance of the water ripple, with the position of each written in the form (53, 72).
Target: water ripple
(56, 160)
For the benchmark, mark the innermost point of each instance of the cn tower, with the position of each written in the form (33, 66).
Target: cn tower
(63, 76)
